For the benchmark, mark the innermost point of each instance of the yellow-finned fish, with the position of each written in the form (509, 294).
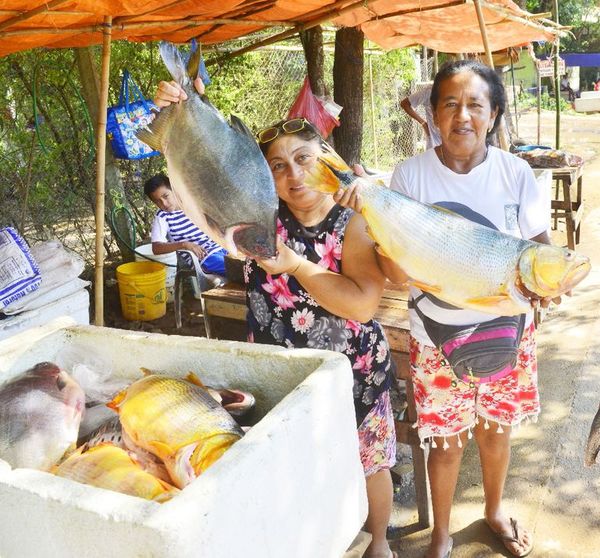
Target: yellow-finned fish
(108, 466)
(461, 262)
(177, 421)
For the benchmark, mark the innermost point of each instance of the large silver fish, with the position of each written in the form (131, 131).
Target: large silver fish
(592, 448)
(216, 168)
(40, 411)
(461, 262)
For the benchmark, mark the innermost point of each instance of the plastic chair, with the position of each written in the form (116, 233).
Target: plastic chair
(206, 281)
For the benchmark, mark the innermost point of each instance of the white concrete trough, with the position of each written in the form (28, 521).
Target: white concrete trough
(292, 487)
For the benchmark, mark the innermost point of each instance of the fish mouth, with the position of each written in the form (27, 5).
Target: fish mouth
(573, 277)
(254, 240)
(577, 273)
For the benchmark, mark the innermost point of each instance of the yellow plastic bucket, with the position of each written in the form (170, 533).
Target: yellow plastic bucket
(142, 290)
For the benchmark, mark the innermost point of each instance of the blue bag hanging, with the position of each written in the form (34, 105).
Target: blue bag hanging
(124, 119)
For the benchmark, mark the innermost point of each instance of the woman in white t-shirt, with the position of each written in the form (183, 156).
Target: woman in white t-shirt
(471, 177)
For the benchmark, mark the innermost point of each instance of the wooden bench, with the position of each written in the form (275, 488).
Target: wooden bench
(225, 316)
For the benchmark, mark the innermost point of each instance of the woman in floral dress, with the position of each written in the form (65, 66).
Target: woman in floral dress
(322, 291)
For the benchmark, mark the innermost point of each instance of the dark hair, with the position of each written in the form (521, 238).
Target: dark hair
(154, 183)
(308, 133)
(487, 74)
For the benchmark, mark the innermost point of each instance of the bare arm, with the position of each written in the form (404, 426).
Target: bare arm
(405, 104)
(353, 294)
(168, 247)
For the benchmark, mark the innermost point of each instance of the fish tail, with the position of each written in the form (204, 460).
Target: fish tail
(330, 173)
(174, 62)
(193, 65)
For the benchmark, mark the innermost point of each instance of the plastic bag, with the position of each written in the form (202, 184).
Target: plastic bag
(320, 112)
(19, 272)
(124, 119)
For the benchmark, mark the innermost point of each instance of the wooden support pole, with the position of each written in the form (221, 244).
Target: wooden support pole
(490, 62)
(100, 174)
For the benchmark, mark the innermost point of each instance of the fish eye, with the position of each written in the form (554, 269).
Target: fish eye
(569, 255)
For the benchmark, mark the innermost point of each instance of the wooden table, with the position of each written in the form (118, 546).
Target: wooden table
(567, 203)
(225, 318)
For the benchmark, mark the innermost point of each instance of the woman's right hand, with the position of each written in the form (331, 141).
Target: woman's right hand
(169, 92)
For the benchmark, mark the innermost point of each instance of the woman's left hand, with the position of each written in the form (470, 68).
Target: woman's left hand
(541, 301)
(350, 197)
(286, 261)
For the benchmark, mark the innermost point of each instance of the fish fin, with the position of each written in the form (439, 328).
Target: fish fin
(117, 400)
(193, 379)
(433, 289)
(237, 124)
(491, 301)
(174, 62)
(446, 210)
(146, 371)
(155, 133)
(161, 449)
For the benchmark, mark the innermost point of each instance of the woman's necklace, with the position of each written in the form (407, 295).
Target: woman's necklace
(444, 158)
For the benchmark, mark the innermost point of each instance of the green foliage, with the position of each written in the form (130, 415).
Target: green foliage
(392, 74)
(48, 182)
(548, 102)
(581, 15)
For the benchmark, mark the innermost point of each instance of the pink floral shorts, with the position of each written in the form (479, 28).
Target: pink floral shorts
(377, 437)
(447, 406)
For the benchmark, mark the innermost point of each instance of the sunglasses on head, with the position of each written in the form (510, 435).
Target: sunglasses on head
(288, 127)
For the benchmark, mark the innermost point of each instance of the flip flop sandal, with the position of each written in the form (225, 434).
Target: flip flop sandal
(515, 538)
(449, 550)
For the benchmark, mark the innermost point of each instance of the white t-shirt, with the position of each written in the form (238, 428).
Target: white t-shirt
(502, 189)
(423, 98)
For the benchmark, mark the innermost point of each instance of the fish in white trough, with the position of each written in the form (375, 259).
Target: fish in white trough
(40, 412)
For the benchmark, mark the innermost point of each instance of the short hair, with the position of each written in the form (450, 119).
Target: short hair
(154, 183)
(487, 74)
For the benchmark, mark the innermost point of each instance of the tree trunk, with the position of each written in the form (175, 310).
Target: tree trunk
(115, 192)
(348, 92)
(312, 42)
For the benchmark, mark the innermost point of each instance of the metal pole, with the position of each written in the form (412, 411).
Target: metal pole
(514, 88)
(100, 174)
(539, 107)
(557, 79)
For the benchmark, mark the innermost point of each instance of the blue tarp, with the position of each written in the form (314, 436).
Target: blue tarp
(585, 59)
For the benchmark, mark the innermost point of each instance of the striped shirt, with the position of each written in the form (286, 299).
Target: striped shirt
(177, 227)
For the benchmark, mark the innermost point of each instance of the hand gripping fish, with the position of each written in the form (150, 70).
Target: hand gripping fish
(461, 262)
(216, 168)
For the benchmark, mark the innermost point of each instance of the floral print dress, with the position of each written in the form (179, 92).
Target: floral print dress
(281, 312)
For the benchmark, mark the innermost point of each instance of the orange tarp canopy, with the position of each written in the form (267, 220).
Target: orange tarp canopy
(447, 26)
(444, 25)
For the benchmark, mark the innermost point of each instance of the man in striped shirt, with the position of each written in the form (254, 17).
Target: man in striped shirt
(172, 230)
